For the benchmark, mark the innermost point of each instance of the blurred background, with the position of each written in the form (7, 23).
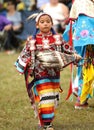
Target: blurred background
(15, 109)
(14, 27)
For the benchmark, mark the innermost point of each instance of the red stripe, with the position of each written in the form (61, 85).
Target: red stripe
(47, 111)
(70, 33)
(70, 87)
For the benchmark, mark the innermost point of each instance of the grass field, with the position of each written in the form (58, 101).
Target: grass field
(15, 109)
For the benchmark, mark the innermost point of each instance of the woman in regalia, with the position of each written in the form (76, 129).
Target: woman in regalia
(81, 31)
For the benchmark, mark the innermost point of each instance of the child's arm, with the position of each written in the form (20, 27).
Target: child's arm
(26, 58)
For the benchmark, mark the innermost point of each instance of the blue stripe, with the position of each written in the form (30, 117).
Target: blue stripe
(48, 115)
(20, 70)
(16, 64)
(46, 81)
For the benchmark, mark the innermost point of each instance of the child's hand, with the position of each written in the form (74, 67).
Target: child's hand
(77, 57)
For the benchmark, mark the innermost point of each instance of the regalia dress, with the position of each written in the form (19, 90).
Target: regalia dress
(46, 80)
(82, 17)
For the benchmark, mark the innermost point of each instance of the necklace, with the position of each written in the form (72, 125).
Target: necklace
(45, 42)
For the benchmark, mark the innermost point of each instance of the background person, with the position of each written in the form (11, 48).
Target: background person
(59, 13)
(15, 17)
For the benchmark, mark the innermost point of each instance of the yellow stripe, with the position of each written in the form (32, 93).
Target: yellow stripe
(46, 105)
(49, 90)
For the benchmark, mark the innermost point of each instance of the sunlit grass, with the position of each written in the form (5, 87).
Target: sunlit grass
(15, 109)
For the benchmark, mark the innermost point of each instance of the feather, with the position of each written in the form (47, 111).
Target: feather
(33, 16)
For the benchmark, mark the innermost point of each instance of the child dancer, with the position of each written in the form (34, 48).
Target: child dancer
(82, 18)
(46, 80)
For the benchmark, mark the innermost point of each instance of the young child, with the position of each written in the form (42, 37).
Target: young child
(46, 79)
(82, 17)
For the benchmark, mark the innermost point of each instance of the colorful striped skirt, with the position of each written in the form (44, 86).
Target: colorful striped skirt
(48, 92)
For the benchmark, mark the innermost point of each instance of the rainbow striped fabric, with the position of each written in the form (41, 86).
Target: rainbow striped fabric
(48, 92)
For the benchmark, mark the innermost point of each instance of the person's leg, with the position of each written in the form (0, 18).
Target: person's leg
(3, 35)
(7, 43)
(85, 92)
(11, 41)
(87, 89)
(48, 95)
(87, 78)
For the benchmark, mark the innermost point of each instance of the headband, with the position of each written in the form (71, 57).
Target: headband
(37, 16)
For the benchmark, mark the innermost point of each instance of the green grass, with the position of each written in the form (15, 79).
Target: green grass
(15, 109)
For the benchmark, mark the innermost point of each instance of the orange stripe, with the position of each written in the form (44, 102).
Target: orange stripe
(47, 109)
(47, 86)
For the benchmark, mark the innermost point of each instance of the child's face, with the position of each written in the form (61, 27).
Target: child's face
(44, 24)
(54, 2)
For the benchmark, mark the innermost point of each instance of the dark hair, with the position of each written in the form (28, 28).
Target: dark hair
(12, 2)
(92, 1)
(37, 30)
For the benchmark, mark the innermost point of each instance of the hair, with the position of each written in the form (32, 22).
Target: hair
(37, 30)
(92, 1)
(13, 2)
